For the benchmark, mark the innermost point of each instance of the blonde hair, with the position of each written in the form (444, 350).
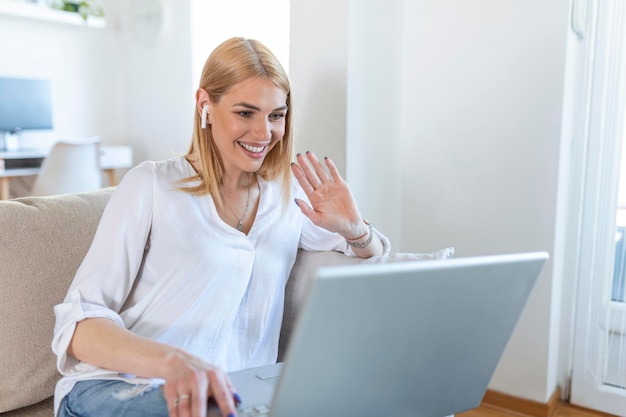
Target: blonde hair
(233, 61)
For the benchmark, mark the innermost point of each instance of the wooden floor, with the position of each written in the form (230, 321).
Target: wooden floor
(563, 410)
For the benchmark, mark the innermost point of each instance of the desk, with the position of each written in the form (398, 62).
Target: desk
(27, 162)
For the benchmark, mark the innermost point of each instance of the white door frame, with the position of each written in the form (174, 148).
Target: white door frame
(595, 164)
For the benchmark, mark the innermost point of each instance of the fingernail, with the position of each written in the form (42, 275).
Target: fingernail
(296, 201)
(231, 415)
(237, 398)
(308, 152)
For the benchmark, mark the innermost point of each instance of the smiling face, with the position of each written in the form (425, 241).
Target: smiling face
(246, 123)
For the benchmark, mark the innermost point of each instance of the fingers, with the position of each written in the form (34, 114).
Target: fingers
(320, 172)
(311, 173)
(302, 180)
(332, 168)
(184, 402)
(306, 210)
(313, 170)
(221, 390)
(171, 399)
(197, 403)
(191, 397)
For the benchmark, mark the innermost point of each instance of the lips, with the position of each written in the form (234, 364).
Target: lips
(251, 148)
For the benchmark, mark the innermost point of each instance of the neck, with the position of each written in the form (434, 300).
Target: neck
(237, 183)
(236, 199)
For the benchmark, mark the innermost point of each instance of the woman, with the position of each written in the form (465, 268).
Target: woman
(186, 273)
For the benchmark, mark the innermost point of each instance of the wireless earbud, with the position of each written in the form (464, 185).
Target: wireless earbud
(205, 111)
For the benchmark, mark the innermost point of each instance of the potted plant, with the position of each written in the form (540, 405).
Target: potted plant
(83, 8)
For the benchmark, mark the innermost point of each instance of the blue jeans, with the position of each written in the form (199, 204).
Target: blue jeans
(105, 398)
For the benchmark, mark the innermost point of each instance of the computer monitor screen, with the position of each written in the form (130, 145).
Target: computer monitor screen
(24, 104)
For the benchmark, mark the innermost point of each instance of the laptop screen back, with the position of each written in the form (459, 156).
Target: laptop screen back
(403, 339)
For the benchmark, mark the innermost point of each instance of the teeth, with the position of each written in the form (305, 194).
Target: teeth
(255, 149)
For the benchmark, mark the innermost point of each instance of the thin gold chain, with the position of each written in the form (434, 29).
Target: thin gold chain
(239, 225)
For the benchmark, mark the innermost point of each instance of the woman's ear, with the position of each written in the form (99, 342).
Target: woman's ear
(202, 106)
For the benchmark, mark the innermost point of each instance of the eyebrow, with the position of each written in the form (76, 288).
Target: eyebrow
(253, 107)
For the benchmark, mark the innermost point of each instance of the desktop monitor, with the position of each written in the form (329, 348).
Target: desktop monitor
(25, 104)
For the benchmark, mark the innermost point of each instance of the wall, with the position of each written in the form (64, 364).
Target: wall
(373, 121)
(487, 85)
(158, 88)
(341, 78)
(83, 66)
(266, 21)
(476, 153)
(318, 73)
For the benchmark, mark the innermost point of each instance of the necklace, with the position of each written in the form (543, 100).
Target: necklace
(245, 210)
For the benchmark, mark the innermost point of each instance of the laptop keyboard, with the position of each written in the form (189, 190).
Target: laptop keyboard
(256, 411)
(264, 410)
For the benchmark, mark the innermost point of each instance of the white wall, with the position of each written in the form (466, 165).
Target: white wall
(213, 22)
(83, 66)
(482, 146)
(374, 136)
(318, 66)
(477, 114)
(158, 88)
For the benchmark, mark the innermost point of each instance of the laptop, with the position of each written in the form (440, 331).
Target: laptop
(395, 339)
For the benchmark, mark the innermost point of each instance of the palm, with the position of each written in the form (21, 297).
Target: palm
(332, 205)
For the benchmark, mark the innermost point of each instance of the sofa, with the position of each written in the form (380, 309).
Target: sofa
(43, 241)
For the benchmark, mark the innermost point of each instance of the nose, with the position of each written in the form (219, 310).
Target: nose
(262, 130)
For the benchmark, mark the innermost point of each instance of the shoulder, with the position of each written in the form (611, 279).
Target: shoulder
(143, 182)
(139, 175)
(172, 169)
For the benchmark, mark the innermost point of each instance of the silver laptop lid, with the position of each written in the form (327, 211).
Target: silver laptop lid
(403, 339)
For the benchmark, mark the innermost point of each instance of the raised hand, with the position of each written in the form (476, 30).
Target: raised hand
(333, 206)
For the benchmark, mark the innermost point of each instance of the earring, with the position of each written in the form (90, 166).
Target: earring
(205, 111)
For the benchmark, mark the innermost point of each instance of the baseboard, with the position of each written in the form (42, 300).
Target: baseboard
(521, 405)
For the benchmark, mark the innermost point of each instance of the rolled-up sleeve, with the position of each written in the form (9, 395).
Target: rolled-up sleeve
(67, 315)
(107, 273)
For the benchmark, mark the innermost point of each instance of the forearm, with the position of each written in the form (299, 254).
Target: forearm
(101, 342)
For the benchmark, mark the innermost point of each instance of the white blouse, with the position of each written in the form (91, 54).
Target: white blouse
(165, 266)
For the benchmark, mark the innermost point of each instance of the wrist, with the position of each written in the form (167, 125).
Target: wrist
(363, 240)
(362, 230)
(171, 362)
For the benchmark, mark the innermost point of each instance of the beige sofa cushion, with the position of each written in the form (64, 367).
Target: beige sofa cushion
(43, 241)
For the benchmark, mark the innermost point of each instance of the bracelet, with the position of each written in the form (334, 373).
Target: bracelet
(367, 242)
